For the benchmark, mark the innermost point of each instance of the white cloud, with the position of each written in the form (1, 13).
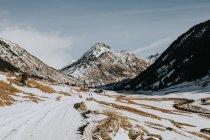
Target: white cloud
(146, 11)
(157, 46)
(49, 47)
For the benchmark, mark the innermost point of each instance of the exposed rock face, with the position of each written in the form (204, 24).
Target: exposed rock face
(186, 59)
(15, 58)
(5, 66)
(100, 65)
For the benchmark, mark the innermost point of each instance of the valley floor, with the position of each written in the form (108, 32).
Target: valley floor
(75, 113)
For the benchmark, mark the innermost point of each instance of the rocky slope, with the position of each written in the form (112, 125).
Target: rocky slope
(186, 59)
(153, 57)
(15, 58)
(100, 65)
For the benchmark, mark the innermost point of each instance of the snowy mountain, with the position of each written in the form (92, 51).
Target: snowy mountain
(154, 57)
(15, 58)
(101, 65)
(186, 59)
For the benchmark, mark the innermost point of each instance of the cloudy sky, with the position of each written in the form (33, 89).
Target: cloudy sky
(58, 31)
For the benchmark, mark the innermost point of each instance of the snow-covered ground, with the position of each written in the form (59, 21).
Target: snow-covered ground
(146, 116)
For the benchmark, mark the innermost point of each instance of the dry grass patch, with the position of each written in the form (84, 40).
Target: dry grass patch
(82, 89)
(15, 81)
(205, 115)
(200, 135)
(180, 125)
(6, 93)
(177, 100)
(64, 93)
(7, 87)
(206, 99)
(155, 136)
(125, 124)
(33, 99)
(41, 87)
(109, 127)
(5, 103)
(163, 128)
(151, 107)
(129, 109)
(156, 126)
(142, 129)
(58, 98)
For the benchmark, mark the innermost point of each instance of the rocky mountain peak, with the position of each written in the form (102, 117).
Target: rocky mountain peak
(100, 65)
(97, 50)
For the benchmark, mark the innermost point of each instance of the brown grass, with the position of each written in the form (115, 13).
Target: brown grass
(125, 124)
(7, 87)
(82, 89)
(41, 87)
(206, 99)
(5, 103)
(6, 93)
(162, 127)
(33, 98)
(64, 93)
(143, 129)
(15, 81)
(156, 136)
(152, 107)
(129, 109)
(200, 135)
(156, 126)
(58, 98)
(110, 126)
(177, 100)
(128, 100)
(205, 115)
(180, 125)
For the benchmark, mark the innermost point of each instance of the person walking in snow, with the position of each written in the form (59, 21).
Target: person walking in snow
(84, 84)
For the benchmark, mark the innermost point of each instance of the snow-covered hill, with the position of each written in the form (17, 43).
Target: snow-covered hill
(15, 58)
(186, 59)
(101, 65)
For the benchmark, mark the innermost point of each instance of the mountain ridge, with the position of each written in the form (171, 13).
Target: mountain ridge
(186, 59)
(18, 58)
(101, 65)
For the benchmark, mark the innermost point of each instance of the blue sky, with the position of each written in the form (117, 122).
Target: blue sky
(58, 31)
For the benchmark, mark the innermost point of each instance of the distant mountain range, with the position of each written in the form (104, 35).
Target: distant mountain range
(16, 59)
(186, 59)
(101, 65)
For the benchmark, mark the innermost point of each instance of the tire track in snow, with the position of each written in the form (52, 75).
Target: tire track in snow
(49, 121)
